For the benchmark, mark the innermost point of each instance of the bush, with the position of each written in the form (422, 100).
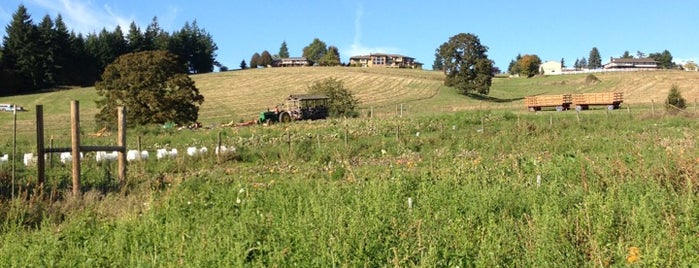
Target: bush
(591, 79)
(675, 102)
(342, 102)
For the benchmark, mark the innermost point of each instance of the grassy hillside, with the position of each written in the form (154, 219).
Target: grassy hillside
(241, 95)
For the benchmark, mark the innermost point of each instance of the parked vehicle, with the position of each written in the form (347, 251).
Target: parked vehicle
(10, 107)
(298, 107)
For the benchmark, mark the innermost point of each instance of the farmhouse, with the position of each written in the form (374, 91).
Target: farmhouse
(632, 63)
(292, 62)
(690, 66)
(385, 60)
(551, 68)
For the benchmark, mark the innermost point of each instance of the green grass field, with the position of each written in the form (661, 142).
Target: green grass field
(457, 181)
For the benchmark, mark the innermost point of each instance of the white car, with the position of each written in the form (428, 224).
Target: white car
(10, 107)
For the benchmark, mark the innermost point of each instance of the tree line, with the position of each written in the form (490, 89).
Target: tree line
(528, 65)
(48, 54)
(317, 52)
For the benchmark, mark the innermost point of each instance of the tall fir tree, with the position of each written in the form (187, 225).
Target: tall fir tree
(63, 57)
(155, 38)
(283, 51)
(20, 50)
(47, 58)
(594, 61)
(136, 39)
(194, 47)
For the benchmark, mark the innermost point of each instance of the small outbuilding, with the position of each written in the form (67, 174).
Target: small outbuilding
(551, 68)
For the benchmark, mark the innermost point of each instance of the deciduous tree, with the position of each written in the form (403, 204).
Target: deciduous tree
(529, 65)
(466, 64)
(265, 59)
(342, 101)
(315, 50)
(152, 85)
(254, 60)
(627, 55)
(331, 57)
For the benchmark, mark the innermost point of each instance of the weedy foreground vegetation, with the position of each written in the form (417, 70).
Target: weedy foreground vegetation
(472, 188)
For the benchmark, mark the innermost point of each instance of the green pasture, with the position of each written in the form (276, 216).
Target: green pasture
(472, 188)
(425, 177)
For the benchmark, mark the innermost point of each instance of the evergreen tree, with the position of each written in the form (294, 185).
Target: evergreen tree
(577, 64)
(243, 65)
(195, 48)
(675, 102)
(513, 68)
(595, 60)
(283, 51)
(626, 55)
(664, 59)
(83, 67)
(64, 59)
(583, 63)
(136, 40)
(47, 58)
(155, 38)
(20, 50)
(438, 64)
(563, 63)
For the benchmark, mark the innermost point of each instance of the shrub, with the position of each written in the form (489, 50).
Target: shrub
(591, 79)
(675, 102)
(342, 101)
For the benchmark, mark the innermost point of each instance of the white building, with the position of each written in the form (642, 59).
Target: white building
(551, 68)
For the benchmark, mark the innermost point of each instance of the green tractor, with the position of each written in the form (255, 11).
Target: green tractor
(298, 107)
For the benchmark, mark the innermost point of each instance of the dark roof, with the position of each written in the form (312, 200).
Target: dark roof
(380, 54)
(308, 97)
(634, 60)
(294, 58)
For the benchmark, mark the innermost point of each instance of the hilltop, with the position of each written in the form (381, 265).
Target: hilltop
(242, 95)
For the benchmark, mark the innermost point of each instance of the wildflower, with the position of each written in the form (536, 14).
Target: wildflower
(634, 255)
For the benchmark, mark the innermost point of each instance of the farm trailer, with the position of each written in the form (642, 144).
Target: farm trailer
(560, 102)
(581, 101)
(612, 100)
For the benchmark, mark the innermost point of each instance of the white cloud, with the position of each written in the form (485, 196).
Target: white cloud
(84, 17)
(356, 48)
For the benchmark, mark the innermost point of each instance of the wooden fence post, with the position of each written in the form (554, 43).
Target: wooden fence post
(40, 164)
(652, 107)
(218, 148)
(121, 142)
(75, 144)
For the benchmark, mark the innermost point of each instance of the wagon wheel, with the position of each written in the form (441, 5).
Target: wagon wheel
(284, 117)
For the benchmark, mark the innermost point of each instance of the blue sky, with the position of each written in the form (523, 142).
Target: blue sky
(550, 29)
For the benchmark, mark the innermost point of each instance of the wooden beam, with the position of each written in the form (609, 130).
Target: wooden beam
(75, 144)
